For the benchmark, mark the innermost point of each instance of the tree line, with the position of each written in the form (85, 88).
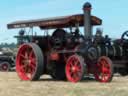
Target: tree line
(8, 45)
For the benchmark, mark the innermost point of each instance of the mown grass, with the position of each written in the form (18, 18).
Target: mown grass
(11, 85)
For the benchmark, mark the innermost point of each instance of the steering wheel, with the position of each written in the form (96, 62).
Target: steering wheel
(124, 36)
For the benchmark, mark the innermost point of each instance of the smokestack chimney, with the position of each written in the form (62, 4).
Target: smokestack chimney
(87, 20)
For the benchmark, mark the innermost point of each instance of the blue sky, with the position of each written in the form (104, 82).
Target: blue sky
(113, 13)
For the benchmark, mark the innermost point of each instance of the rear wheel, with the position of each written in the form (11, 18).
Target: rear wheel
(104, 69)
(75, 68)
(5, 66)
(29, 62)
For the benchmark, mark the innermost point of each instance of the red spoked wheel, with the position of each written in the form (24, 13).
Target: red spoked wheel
(29, 62)
(75, 68)
(104, 70)
(5, 66)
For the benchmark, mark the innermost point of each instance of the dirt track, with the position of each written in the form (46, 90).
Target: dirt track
(11, 85)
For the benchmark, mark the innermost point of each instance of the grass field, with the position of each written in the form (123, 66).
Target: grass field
(11, 85)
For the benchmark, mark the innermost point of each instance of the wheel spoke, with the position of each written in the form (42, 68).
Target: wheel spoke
(31, 70)
(79, 68)
(79, 72)
(75, 76)
(31, 54)
(103, 74)
(76, 63)
(72, 63)
(22, 67)
(33, 60)
(106, 70)
(33, 66)
(105, 77)
(74, 68)
(22, 56)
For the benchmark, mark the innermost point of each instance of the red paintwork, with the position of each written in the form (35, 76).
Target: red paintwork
(54, 56)
(26, 62)
(74, 69)
(103, 73)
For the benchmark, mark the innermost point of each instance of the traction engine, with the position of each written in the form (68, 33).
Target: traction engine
(68, 54)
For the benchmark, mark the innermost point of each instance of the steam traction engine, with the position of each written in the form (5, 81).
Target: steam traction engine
(67, 54)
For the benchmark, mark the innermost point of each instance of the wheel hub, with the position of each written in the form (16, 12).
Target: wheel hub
(75, 68)
(104, 70)
(27, 62)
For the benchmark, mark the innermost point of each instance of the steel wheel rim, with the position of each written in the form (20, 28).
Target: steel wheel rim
(74, 69)
(26, 62)
(104, 70)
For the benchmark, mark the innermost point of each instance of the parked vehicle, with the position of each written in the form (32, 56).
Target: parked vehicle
(6, 61)
(69, 54)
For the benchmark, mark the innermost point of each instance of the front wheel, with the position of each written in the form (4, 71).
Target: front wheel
(75, 68)
(104, 69)
(29, 62)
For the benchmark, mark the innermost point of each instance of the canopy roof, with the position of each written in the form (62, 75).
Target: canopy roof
(56, 22)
